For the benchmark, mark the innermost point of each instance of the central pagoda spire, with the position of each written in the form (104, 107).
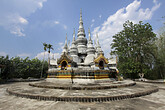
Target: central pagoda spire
(81, 16)
(81, 31)
(81, 40)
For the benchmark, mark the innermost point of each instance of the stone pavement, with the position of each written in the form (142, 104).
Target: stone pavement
(26, 89)
(155, 101)
(95, 85)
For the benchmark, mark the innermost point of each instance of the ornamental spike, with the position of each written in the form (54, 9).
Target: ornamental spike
(89, 34)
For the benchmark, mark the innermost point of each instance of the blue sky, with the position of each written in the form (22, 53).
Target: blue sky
(26, 24)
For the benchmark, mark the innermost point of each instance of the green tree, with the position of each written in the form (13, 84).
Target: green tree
(159, 67)
(133, 46)
(45, 48)
(17, 67)
(22, 68)
(50, 47)
(8, 67)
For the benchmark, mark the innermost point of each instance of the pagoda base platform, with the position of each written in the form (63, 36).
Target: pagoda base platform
(82, 74)
(100, 91)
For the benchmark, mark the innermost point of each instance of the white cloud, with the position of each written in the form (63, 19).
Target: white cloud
(56, 55)
(93, 20)
(41, 3)
(17, 31)
(52, 23)
(56, 22)
(3, 53)
(24, 55)
(14, 12)
(22, 20)
(96, 30)
(100, 16)
(65, 27)
(114, 23)
(92, 25)
(41, 55)
(61, 43)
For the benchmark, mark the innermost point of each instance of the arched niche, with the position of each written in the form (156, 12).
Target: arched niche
(82, 60)
(101, 64)
(64, 65)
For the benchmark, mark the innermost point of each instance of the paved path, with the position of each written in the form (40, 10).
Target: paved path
(155, 101)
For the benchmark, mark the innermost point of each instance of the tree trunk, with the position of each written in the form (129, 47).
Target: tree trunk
(48, 60)
(43, 66)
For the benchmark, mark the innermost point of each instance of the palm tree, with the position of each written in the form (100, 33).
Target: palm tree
(45, 48)
(49, 48)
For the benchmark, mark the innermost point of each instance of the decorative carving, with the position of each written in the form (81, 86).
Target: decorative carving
(64, 57)
(101, 58)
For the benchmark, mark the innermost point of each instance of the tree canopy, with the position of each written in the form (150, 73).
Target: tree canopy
(134, 47)
(22, 68)
(159, 68)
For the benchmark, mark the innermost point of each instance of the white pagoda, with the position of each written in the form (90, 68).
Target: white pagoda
(81, 59)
